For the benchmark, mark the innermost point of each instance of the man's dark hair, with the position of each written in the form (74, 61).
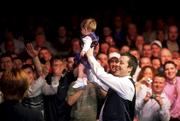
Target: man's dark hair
(132, 62)
(169, 62)
(28, 66)
(56, 57)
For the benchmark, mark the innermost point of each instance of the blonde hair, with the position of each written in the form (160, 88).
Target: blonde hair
(14, 84)
(89, 23)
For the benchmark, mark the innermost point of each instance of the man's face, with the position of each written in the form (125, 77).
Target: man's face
(57, 67)
(45, 54)
(30, 74)
(123, 69)
(158, 84)
(147, 51)
(113, 64)
(155, 50)
(6, 63)
(170, 71)
(173, 33)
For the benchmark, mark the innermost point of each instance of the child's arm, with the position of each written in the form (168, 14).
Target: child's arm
(87, 44)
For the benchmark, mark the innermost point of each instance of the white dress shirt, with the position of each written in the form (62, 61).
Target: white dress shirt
(122, 85)
(151, 110)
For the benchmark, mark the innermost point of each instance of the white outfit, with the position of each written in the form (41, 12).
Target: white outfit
(122, 85)
(40, 86)
(151, 111)
(87, 41)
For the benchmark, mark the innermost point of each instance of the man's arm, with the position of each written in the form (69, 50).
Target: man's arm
(51, 89)
(73, 95)
(164, 111)
(93, 78)
(122, 85)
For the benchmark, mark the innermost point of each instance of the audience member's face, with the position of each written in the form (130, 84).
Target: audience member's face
(113, 49)
(175, 55)
(160, 36)
(155, 50)
(57, 67)
(170, 71)
(62, 31)
(10, 47)
(40, 39)
(104, 48)
(30, 75)
(6, 63)
(148, 73)
(132, 29)
(135, 53)
(17, 63)
(158, 84)
(139, 41)
(110, 40)
(145, 62)
(113, 64)
(156, 63)
(118, 22)
(173, 33)
(124, 49)
(165, 55)
(45, 54)
(76, 47)
(107, 31)
(147, 51)
(103, 59)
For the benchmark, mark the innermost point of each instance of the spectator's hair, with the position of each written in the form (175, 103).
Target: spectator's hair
(28, 66)
(6, 55)
(169, 62)
(56, 57)
(132, 62)
(159, 75)
(140, 75)
(14, 84)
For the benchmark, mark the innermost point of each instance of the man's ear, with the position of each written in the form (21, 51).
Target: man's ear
(130, 69)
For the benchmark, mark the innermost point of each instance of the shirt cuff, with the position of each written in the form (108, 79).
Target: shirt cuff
(91, 59)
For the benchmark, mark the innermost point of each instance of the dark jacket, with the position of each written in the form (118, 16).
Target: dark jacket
(55, 106)
(14, 111)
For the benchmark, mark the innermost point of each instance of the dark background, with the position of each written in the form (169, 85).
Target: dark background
(22, 16)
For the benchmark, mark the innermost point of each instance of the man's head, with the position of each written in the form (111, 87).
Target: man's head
(170, 70)
(6, 62)
(14, 85)
(127, 65)
(58, 65)
(158, 84)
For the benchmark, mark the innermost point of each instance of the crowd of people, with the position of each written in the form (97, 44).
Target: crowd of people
(130, 73)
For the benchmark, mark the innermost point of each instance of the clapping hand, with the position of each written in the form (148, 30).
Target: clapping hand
(31, 51)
